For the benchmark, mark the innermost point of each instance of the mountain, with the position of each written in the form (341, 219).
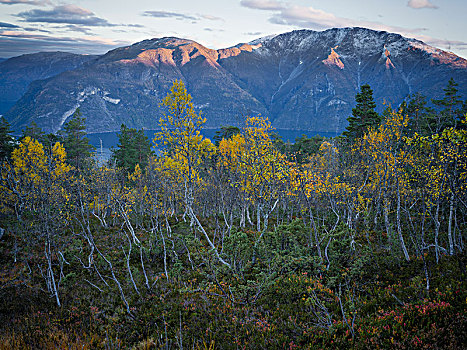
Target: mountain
(18, 72)
(301, 80)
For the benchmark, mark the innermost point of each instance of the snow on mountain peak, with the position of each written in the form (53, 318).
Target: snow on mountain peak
(424, 47)
(262, 39)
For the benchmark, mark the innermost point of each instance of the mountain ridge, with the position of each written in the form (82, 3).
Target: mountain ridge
(301, 80)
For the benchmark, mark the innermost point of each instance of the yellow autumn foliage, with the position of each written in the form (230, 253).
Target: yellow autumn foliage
(261, 170)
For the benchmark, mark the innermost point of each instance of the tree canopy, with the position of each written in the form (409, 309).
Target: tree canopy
(7, 141)
(133, 148)
(75, 141)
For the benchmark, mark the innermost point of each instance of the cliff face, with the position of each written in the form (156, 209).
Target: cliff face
(302, 80)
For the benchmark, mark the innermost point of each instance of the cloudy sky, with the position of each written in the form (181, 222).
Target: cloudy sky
(96, 26)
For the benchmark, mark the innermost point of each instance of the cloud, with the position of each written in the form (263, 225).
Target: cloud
(166, 14)
(66, 14)
(211, 18)
(133, 25)
(77, 28)
(180, 16)
(443, 43)
(312, 18)
(421, 4)
(14, 43)
(253, 33)
(215, 30)
(29, 29)
(262, 4)
(25, 2)
(22, 35)
(309, 17)
(7, 25)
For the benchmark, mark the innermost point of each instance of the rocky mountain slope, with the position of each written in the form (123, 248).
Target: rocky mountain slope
(18, 72)
(301, 80)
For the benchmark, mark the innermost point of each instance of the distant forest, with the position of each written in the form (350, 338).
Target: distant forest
(242, 242)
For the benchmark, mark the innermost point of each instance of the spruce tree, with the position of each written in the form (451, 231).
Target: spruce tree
(133, 148)
(7, 141)
(364, 115)
(225, 132)
(422, 118)
(34, 132)
(451, 103)
(463, 115)
(305, 146)
(76, 143)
